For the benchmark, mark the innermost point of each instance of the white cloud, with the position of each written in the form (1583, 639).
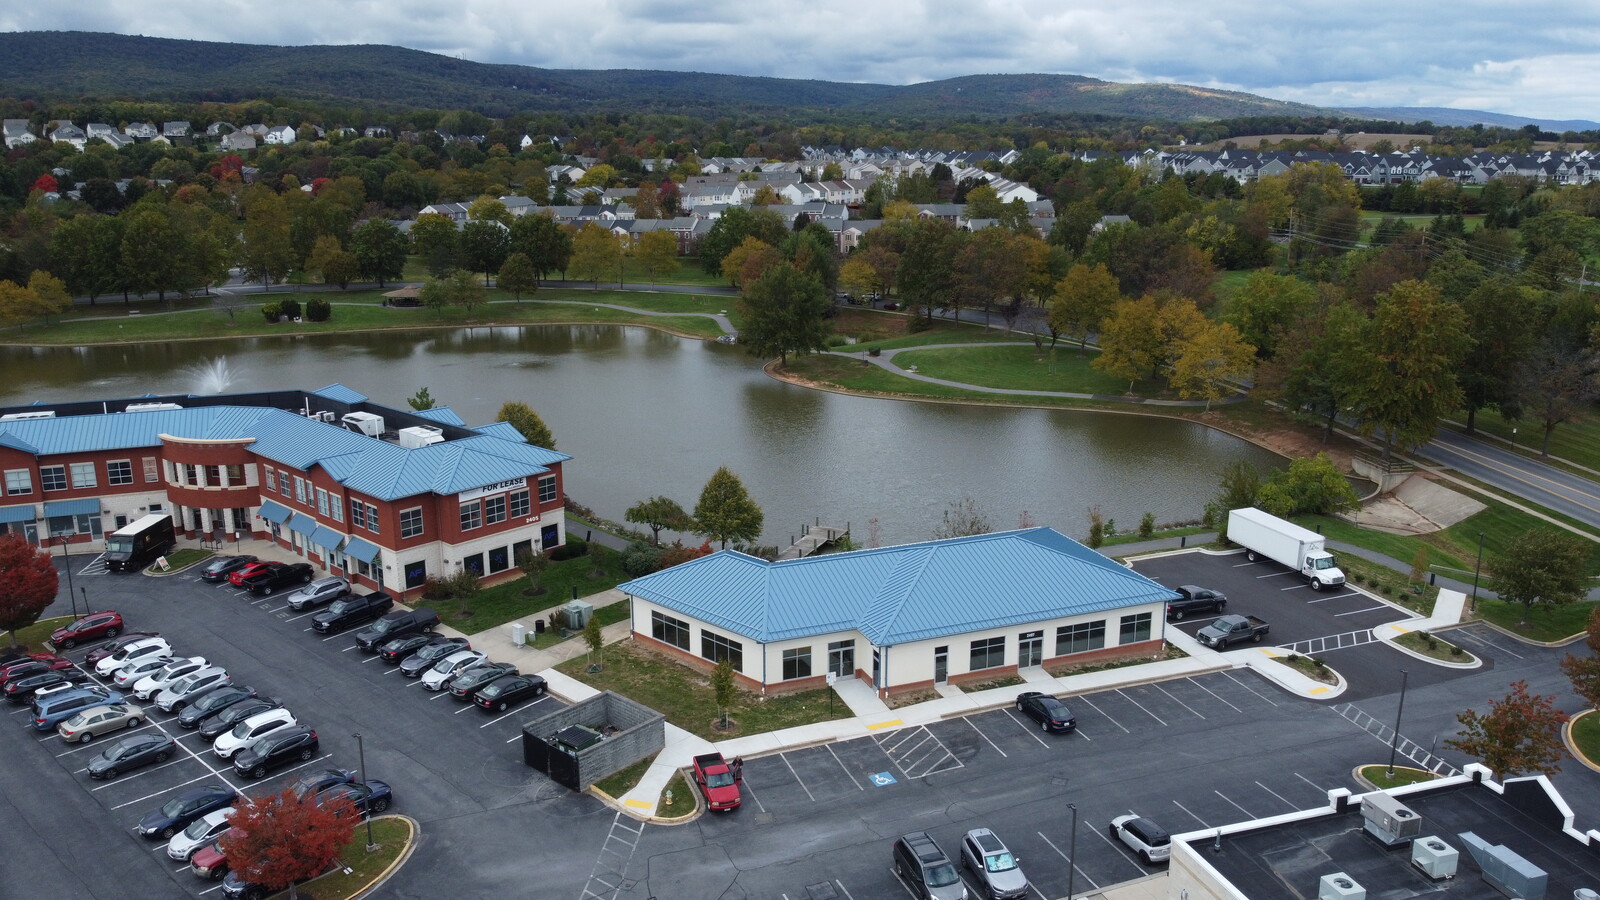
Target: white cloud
(1533, 57)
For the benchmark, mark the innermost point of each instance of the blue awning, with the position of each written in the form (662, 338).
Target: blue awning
(275, 512)
(9, 514)
(84, 506)
(326, 537)
(303, 524)
(362, 550)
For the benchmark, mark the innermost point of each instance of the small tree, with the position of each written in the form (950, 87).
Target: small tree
(421, 400)
(318, 310)
(1541, 566)
(28, 583)
(1147, 525)
(724, 687)
(1584, 671)
(517, 275)
(597, 558)
(725, 511)
(533, 565)
(591, 634)
(1419, 567)
(464, 586)
(522, 417)
(1241, 482)
(658, 513)
(282, 840)
(1097, 527)
(1519, 735)
(962, 518)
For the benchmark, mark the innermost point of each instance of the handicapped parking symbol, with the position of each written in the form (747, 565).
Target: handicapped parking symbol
(882, 779)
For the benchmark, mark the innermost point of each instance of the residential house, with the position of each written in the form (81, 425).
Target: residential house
(237, 142)
(18, 132)
(140, 131)
(173, 131)
(68, 133)
(219, 128)
(280, 134)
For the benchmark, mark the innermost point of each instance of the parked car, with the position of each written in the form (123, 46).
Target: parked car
(356, 609)
(131, 652)
(86, 725)
(110, 647)
(319, 593)
(291, 744)
(394, 651)
(131, 753)
(469, 680)
(51, 711)
(412, 666)
(176, 814)
(996, 869)
(276, 576)
(44, 692)
(319, 780)
(135, 671)
(217, 570)
(21, 690)
(209, 862)
(438, 675)
(157, 681)
(1192, 598)
(251, 730)
(237, 576)
(177, 695)
(223, 720)
(200, 832)
(500, 693)
(30, 665)
(45, 660)
(104, 624)
(1143, 837)
(396, 624)
(1048, 711)
(925, 869)
(211, 701)
(368, 798)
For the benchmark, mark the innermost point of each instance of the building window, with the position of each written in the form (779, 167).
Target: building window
(214, 476)
(473, 564)
(152, 472)
(797, 663)
(336, 507)
(416, 574)
(83, 475)
(988, 653)
(1135, 628)
(322, 502)
(119, 471)
(191, 475)
(372, 518)
(269, 478)
(519, 504)
(411, 522)
(499, 559)
(18, 481)
(1080, 638)
(547, 489)
(235, 475)
(358, 514)
(471, 515)
(299, 489)
(668, 630)
(717, 648)
(53, 478)
(494, 510)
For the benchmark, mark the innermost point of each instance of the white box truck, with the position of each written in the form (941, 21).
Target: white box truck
(1303, 550)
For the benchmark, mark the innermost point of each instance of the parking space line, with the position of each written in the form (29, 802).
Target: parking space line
(392, 671)
(1274, 574)
(1212, 693)
(1180, 702)
(1276, 794)
(128, 778)
(1203, 823)
(1334, 597)
(1229, 676)
(797, 777)
(847, 772)
(1122, 851)
(164, 791)
(1074, 865)
(1479, 639)
(1357, 612)
(1241, 565)
(1141, 706)
(1298, 587)
(1247, 812)
(1319, 788)
(745, 787)
(1025, 728)
(301, 616)
(513, 712)
(414, 682)
(364, 661)
(279, 609)
(845, 889)
(985, 737)
(1085, 698)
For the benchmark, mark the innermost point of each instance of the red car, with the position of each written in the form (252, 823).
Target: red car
(237, 576)
(33, 664)
(209, 862)
(105, 624)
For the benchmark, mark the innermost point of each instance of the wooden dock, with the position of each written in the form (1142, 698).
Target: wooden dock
(815, 538)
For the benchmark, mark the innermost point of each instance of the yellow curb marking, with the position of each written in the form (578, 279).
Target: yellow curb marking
(888, 724)
(1270, 654)
(639, 804)
(1320, 690)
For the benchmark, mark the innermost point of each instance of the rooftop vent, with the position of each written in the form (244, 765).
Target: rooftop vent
(1505, 870)
(365, 423)
(420, 436)
(1339, 886)
(150, 407)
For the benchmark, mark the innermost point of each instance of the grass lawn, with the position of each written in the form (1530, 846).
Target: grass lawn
(606, 615)
(1133, 537)
(183, 556)
(1578, 440)
(1433, 647)
(1308, 667)
(618, 783)
(1371, 217)
(1379, 776)
(1545, 623)
(33, 637)
(863, 377)
(392, 835)
(684, 695)
(1586, 735)
(504, 602)
(1020, 368)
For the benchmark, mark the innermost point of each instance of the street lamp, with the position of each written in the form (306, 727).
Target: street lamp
(1394, 742)
(361, 754)
(85, 592)
(1476, 568)
(1072, 859)
(66, 554)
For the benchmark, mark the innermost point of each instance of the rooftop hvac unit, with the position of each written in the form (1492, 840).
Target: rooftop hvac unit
(150, 407)
(420, 436)
(324, 415)
(577, 614)
(39, 414)
(1339, 886)
(1505, 870)
(366, 423)
(1435, 858)
(1388, 821)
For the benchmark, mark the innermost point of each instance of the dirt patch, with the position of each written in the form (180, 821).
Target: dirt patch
(911, 698)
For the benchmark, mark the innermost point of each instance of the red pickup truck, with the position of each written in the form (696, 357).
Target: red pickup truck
(719, 780)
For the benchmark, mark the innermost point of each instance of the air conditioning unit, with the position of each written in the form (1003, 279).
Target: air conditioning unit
(324, 415)
(420, 436)
(150, 407)
(365, 423)
(1389, 821)
(1434, 857)
(1339, 886)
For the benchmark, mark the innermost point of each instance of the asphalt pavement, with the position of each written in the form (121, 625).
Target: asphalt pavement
(1562, 491)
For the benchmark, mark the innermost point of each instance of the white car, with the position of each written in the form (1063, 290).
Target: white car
(1143, 837)
(152, 684)
(253, 729)
(440, 673)
(144, 648)
(138, 669)
(177, 695)
(199, 833)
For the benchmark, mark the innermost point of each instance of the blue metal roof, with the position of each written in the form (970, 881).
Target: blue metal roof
(83, 506)
(9, 514)
(360, 549)
(502, 430)
(326, 537)
(340, 394)
(273, 511)
(442, 414)
(303, 524)
(895, 595)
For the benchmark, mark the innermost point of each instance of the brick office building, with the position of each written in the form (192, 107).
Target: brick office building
(384, 496)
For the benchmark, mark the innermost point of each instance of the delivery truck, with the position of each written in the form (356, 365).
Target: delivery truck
(1262, 534)
(138, 544)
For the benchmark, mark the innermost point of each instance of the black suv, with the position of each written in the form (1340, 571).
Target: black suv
(277, 575)
(925, 869)
(396, 624)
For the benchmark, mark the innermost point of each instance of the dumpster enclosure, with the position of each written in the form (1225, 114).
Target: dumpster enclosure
(583, 743)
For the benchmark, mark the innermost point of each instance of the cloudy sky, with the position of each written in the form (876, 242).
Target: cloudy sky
(1538, 58)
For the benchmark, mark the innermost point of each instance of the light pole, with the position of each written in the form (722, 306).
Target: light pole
(66, 554)
(1476, 568)
(361, 754)
(1394, 742)
(1072, 846)
(85, 592)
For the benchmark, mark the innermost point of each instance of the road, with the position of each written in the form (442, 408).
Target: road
(1566, 493)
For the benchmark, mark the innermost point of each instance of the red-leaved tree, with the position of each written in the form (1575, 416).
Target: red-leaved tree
(28, 582)
(1519, 735)
(46, 183)
(1585, 670)
(282, 840)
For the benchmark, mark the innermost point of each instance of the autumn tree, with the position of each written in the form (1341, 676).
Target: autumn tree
(1502, 341)
(267, 254)
(527, 422)
(1556, 382)
(1584, 671)
(547, 245)
(1520, 735)
(724, 689)
(281, 840)
(596, 254)
(1083, 298)
(657, 253)
(28, 583)
(659, 513)
(1541, 566)
(725, 511)
(1131, 342)
(1408, 373)
(1266, 305)
(485, 244)
(1210, 362)
(380, 251)
(517, 275)
(335, 264)
(750, 260)
(784, 312)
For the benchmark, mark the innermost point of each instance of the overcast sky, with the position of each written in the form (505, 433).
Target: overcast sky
(1538, 58)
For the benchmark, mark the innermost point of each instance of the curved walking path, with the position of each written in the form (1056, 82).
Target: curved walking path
(885, 361)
